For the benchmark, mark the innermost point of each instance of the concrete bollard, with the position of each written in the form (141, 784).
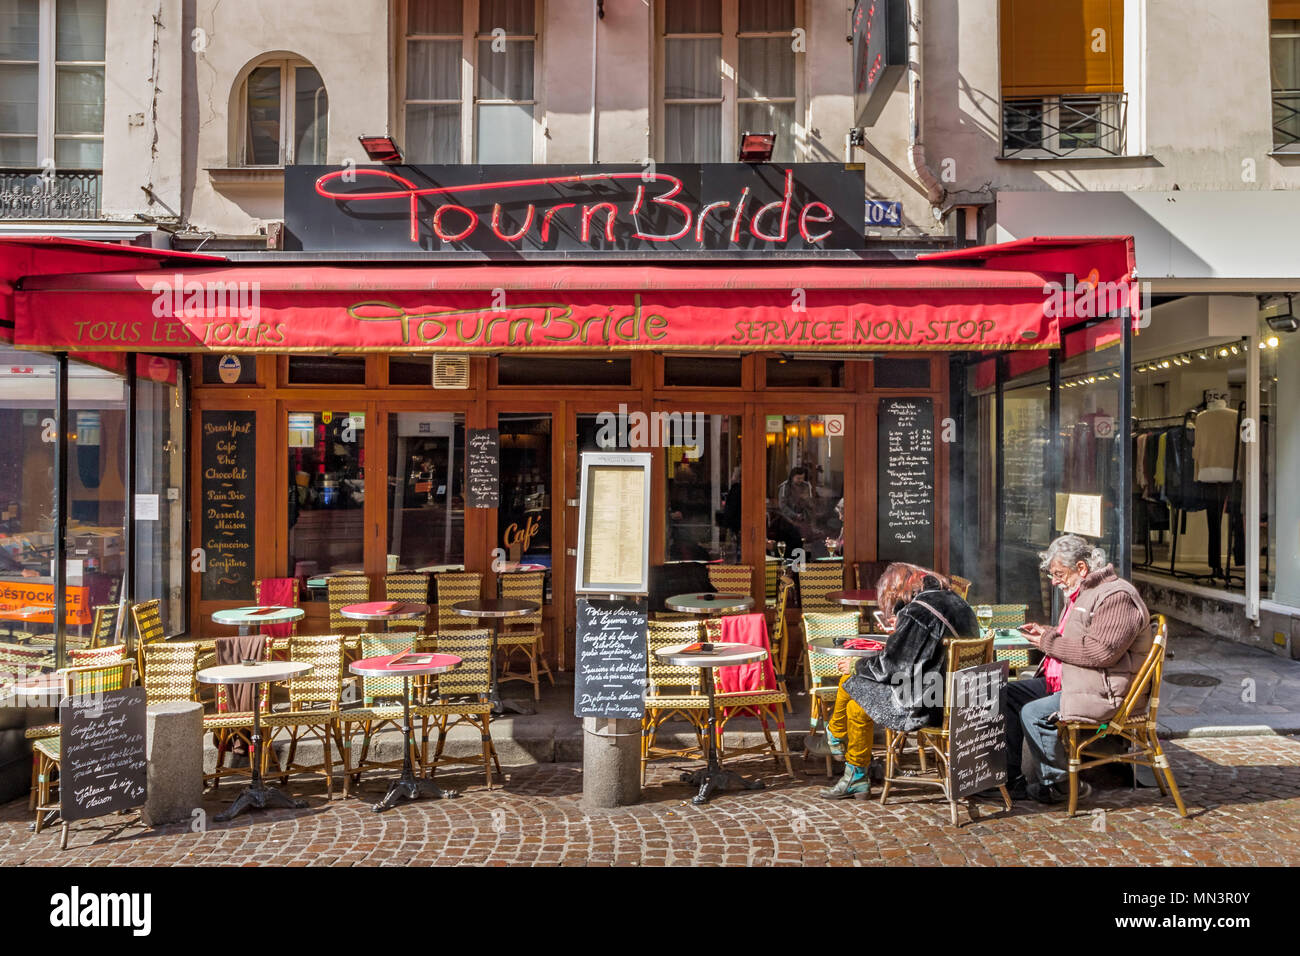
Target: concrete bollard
(174, 750)
(611, 762)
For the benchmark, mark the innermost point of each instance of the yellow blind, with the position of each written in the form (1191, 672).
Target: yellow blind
(1284, 9)
(1049, 49)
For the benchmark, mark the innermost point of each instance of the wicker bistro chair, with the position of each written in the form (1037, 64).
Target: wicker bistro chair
(760, 704)
(313, 713)
(342, 590)
(961, 654)
(104, 629)
(454, 587)
(816, 580)
(672, 691)
(92, 671)
(822, 675)
(47, 751)
(524, 634)
(1135, 722)
(381, 699)
(148, 628)
(732, 579)
(462, 699)
(960, 586)
(23, 660)
(771, 580)
(411, 587)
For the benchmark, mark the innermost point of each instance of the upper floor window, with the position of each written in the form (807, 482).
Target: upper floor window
(1062, 77)
(470, 94)
(728, 68)
(285, 115)
(52, 83)
(1284, 56)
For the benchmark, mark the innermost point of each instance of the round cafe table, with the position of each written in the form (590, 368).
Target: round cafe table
(718, 654)
(385, 611)
(494, 610)
(709, 602)
(862, 598)
(407, 664)
(257, 793)
(247, 618)
(827, 645)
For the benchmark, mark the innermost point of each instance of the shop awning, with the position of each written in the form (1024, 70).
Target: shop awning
(986, 298)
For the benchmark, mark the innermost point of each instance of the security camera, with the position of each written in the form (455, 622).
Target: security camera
(1279, 312)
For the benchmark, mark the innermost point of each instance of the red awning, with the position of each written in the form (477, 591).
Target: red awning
(954, 303)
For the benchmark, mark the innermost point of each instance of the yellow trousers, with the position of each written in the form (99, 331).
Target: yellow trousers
(850, 723)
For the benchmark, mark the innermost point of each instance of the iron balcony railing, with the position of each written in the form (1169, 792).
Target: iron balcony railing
(1286, 119)
(50, 194)
(1091, 124)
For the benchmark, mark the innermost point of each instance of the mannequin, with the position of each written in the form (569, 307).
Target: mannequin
(1216, 443)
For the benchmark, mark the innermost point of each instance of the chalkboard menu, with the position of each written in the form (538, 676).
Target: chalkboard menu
(905, 481)
(610, 679)
(483, 469)
(228, 487)
(102, 769)
(977, 729)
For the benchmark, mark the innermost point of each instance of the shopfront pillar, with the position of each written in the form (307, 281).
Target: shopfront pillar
(611, 763)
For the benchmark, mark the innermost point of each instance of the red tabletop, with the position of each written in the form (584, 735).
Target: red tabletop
(852, 598)
(380, 610)
(408, 663)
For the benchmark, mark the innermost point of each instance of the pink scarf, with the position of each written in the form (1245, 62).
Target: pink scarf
(1051, 666)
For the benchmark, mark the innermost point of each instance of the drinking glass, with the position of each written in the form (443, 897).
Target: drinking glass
(984, 614)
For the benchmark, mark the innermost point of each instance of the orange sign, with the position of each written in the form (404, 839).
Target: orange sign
(15, 595)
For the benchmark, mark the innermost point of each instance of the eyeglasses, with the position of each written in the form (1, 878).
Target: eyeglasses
(1058, 575)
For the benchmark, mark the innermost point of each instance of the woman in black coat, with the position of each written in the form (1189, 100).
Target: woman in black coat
(901, 687)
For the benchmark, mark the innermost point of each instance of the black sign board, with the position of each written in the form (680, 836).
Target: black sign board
(483, 469)
(879, 54)
(228, 494)
(102, 769)
(905, 481)
(977, 730)
(620, 209)
(610, 679)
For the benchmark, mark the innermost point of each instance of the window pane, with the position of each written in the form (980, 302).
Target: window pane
(901, 373)
(426, 505)
(320, 370)
(689, 371)
(1284, 48)
(432, 134)
(516, 17)
(79, 30)
(702, 466)
(505, 134)
(433, 16)
(771, 117)
(692, 134)
(692, 69)
(805, 481)
(804, 373)
(19, 26)
(160, 564)
(18, 99)
(79, 99)
(507, 75)
(548, 370)
(524, 518)
(310, 117)
(79, 153)
(263, 134)
(18, 151)
(326, 492)
(693, 16)
(1022, 124)
(758, 16)
(26, 494)
(416, 370)
(433, 70)
(766, 68)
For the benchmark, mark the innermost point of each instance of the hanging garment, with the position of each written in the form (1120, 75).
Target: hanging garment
(1216, 444)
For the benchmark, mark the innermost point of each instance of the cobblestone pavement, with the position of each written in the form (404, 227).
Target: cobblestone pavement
(1243, 794)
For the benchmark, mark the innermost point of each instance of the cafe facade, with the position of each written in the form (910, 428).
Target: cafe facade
(727, 318)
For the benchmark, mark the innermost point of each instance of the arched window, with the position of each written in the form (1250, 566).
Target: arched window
(284, 115)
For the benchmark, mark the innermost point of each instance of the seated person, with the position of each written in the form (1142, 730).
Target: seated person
(780, 529)
(890, 688)
(1102, 640)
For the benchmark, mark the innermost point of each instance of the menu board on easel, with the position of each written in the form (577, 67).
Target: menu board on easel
(228, 496)
(103, 768)
(905, 481)
(483, 468)
(614, 524)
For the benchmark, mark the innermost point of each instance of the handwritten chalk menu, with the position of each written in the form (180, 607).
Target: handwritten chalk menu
(610, 679)
(977, 729)
(483, 469)
(905, 481)
(103, 765)
(228, 486)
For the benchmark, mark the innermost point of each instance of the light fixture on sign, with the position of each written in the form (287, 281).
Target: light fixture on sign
(381, 149)
(756, 147)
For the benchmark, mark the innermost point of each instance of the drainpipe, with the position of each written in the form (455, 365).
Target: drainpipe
(934, 190)
(597, 14)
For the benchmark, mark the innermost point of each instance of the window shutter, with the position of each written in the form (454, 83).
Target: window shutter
(1284, 9)
(1047, 48)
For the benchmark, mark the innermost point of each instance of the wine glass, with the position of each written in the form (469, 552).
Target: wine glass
(984, 614)
(780, 550)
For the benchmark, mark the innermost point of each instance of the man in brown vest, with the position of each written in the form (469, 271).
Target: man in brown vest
(1101, 641)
